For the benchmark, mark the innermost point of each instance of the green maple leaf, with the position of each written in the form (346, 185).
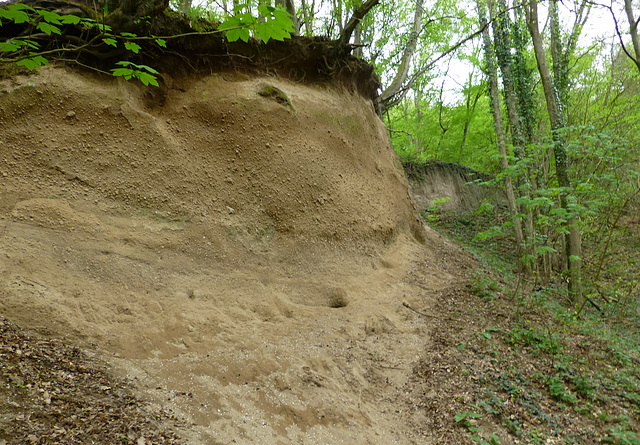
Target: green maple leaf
(33, 63)
(50, 17)
(127, 73)
(131, 46)
(48, 28)
(70, 19)
(147, 78)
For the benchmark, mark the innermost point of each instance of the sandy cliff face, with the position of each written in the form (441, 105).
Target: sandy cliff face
(311, 162)
(243, 240)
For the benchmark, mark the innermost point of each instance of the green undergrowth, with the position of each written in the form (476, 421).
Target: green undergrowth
(539, 372)
(497, 254)
(547, 374)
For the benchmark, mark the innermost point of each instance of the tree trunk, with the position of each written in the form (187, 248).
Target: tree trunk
(355, 20)
(497, 119)
(291, 9)
(557, 121)
(523, 79)
(403, 70)
(337, 14)
(503, 54)
(307, 14)
(130, 15)
(524, 85)
(357, 41)
(559, 55)
(499, 21)
(633, 30)
(471, 108)
(185, 6)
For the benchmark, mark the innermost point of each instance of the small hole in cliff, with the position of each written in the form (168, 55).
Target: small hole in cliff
(274, 93)
(338, 299)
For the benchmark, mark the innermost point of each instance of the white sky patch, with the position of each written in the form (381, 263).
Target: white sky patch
(600, 25)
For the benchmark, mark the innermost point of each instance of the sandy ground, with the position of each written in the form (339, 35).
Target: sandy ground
(243, 261)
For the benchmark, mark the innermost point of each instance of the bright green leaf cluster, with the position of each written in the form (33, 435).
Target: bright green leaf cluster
(466, 415)
(132, 46)
(15, 12)
(274, 23)
(34, 62)
(143, 73)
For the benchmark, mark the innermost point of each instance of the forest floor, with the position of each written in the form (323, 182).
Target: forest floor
(263, 280)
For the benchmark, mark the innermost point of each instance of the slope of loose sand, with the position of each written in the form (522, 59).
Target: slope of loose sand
(243, 260)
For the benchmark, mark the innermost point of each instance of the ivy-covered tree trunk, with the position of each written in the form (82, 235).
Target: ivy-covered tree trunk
(558, 122)
(500, 25)
(494, 94)
(563, 49)
(499, 22)
(524, 81)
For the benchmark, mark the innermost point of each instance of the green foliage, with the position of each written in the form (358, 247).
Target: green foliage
(483, 286)
(274, 23)
(536, 339)
(605, 170)
(418, 135)
(467, 419)
(130, 70)
(48, 28)
(15, 12)
(433, 211)
(580, 367)
(485, 207)
(550, 365)
(24, 52)
(622, 433)
(465, 416)
(132, 46)
(559, 391)
(33, 62)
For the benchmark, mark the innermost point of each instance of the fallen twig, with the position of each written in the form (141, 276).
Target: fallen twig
(430, 315)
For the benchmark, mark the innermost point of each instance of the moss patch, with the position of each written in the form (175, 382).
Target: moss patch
(274, 93)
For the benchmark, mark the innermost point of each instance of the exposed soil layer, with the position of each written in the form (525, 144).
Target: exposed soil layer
(191, 47)
(457, 188)
(239, 252)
